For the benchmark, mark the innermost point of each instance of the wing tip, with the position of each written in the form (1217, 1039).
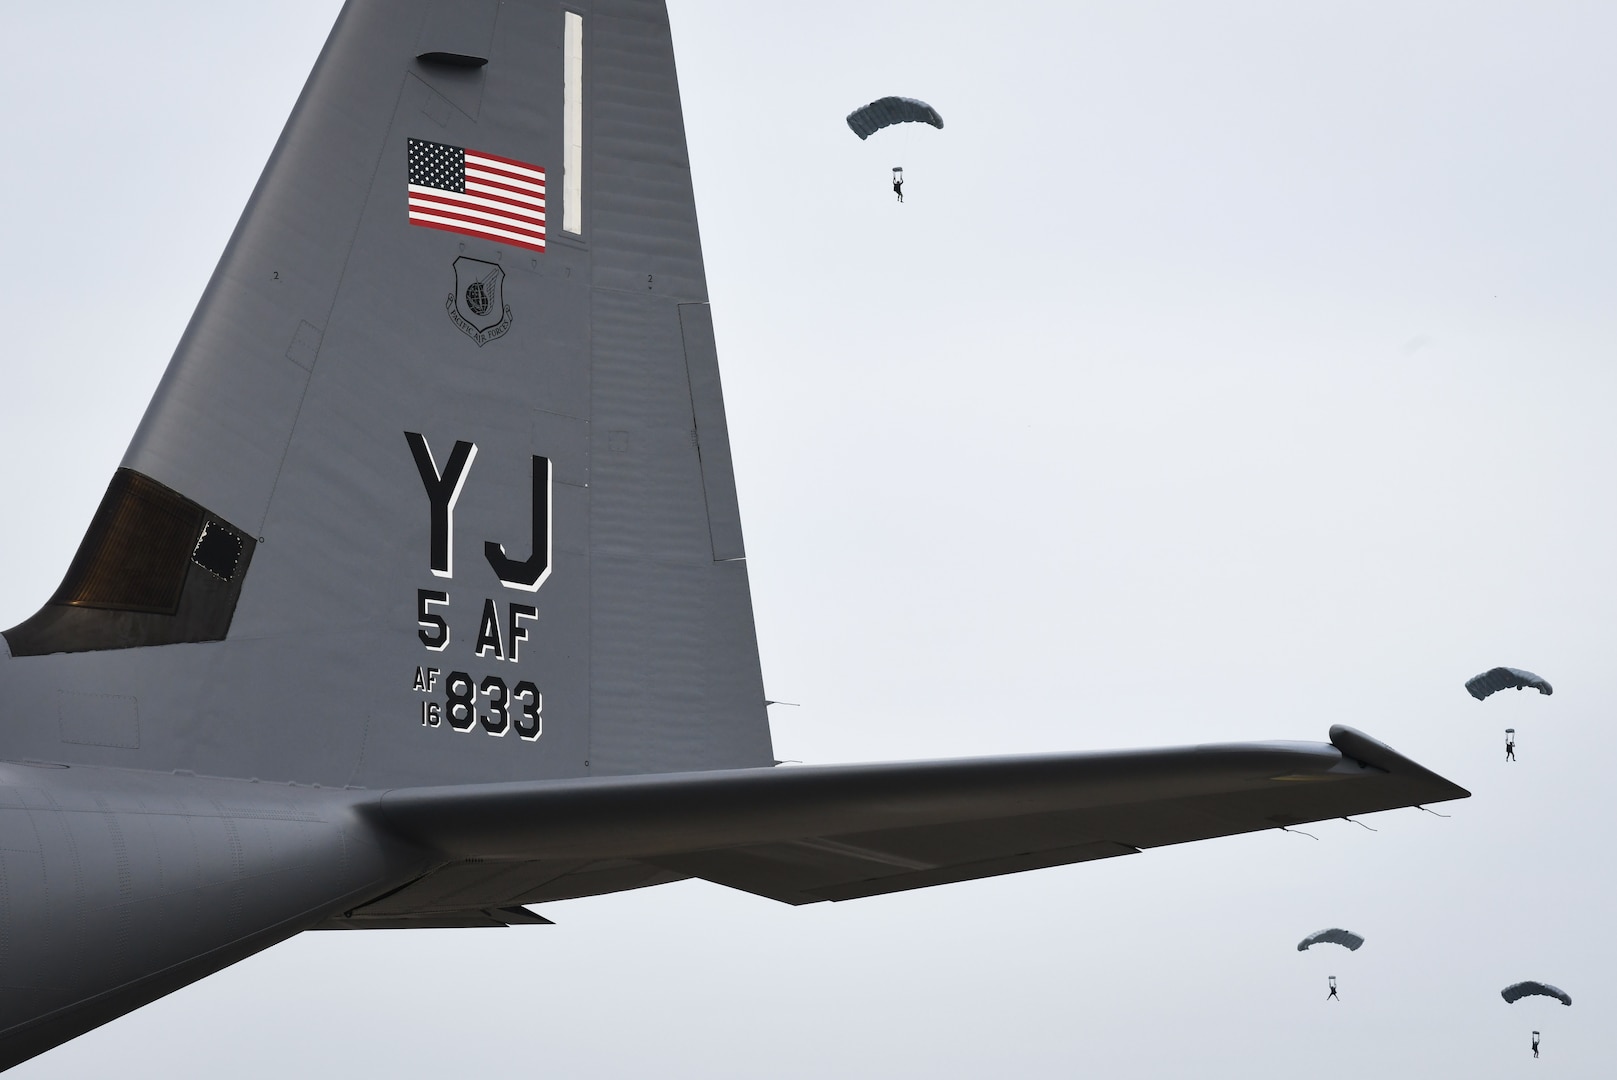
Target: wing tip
(1367, 750)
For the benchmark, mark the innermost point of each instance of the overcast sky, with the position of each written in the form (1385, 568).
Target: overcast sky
(1230, 371)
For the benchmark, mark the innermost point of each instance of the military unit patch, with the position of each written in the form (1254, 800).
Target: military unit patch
(477, 303)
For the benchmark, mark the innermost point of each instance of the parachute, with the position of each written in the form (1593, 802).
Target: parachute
(888, 111)
(1334, 936)
(1516, 991)
(1499, 678)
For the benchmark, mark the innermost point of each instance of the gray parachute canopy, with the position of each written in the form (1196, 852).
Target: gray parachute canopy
(889, 111)
(1499, 678)
(1515, 991)
(1333, 936)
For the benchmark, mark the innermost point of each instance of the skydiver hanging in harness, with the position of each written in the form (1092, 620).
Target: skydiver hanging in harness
(1510, 744)
(1332, 995)
(898, 187)
(1535, 1044)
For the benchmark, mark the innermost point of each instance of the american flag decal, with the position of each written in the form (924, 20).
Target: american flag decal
(478, 194)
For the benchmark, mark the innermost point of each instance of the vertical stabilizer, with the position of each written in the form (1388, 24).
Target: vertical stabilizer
(437, 486)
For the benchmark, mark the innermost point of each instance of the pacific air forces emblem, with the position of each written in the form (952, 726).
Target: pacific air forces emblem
(478, 304)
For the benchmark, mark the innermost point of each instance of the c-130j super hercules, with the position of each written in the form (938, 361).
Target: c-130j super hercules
(465, 400)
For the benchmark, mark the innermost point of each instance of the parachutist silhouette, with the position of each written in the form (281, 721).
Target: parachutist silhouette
(1510, 750)
(1535, 1044)
(898, 187)
(1332, 995)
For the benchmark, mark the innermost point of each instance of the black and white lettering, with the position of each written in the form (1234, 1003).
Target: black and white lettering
(463, 693)
(434, 631)
(443, 489)
(528, 575)
(531, 726)
(460, 700)
(498, 722)
(516, 633)
(488, 633)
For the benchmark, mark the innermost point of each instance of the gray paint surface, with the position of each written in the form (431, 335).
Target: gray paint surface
(304, 444)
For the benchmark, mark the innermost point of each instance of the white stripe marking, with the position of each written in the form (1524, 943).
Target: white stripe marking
(508, 181)
(418, 193)
(572, 162)
(506, 222)
(484, 230)
(493, 163)
(502, 193)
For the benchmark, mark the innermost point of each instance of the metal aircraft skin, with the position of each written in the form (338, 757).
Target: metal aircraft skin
(420, 593)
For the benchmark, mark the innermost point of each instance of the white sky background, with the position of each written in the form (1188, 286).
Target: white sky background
(1224, 376)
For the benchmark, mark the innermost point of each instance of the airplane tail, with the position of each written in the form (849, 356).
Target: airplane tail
(437, 486)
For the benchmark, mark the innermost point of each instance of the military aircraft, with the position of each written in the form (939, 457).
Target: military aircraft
(421, 595)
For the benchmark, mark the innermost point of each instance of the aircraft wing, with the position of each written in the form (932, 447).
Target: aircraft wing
(802, 835)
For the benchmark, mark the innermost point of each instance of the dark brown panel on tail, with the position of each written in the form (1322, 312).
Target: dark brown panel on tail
(154, 568)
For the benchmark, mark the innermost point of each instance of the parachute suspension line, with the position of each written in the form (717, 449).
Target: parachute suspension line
(1360, 824)
(1299, 832)
(1429, 810)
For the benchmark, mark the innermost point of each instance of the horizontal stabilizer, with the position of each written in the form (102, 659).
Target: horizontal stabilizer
(802, 835)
